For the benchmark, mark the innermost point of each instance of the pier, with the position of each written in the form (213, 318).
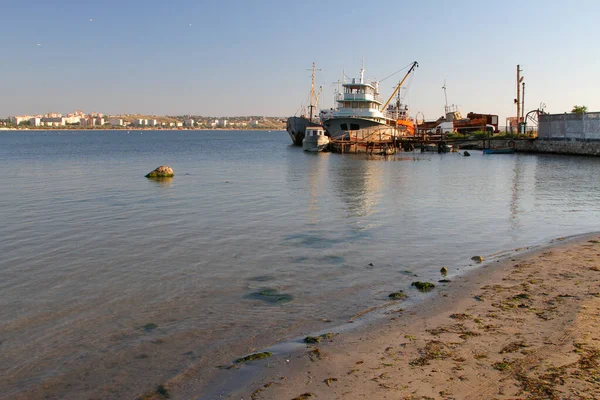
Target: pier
(378, 142)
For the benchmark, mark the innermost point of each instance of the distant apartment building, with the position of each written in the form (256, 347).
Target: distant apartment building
(151, 122)
(222, 123)
(87, 121)
(35, 121)
(141, 122)
(21, 118)
(91, 121)
(53, 121)
(179, 124)
(254, 123)
(73, 119)
(116, 121)
(189, 123)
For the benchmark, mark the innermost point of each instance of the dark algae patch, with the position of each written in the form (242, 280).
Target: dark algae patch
(304, 396)
(423, 286)
(162, 390)
(312, 339)
(502, 366)
(271, 296)
(262, 278)
(434, 350)
(317, 339)
(254, 356)
(399, 295)
(409, 273)
(149, 327)
(160, 393)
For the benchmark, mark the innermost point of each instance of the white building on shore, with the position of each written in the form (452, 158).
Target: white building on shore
(116, 121)
(21, 118)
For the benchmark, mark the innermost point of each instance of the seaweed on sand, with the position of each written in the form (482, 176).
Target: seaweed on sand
(423, 286)
(399, 295)
(254, 356)
(317, 339)
(271, 296)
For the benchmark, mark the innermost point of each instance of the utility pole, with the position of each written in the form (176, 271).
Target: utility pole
(523, 104)
(518, 99)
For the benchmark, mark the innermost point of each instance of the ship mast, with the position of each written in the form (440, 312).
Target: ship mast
(445, 97)
(362, 72)
(414, 65)
(313, 97)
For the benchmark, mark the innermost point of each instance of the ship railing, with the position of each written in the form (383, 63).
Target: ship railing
(358, 96)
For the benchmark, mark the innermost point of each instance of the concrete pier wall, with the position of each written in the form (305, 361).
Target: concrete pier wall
(584, 126)
(589, 147)
(577, 134)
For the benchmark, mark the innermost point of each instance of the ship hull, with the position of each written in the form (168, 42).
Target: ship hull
(338, 128)
(315, 144)
(296, 128)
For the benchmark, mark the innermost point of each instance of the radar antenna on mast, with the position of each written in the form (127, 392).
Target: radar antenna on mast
(445, 95)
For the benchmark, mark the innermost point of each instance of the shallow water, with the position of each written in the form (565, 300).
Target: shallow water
(112, 283)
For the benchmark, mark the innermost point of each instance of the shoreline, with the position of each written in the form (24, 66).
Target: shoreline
(59, 129)
(455, 343)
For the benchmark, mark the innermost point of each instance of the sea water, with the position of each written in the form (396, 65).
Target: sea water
(111, 283)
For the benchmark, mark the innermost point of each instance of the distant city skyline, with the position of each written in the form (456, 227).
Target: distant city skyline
(251, 58)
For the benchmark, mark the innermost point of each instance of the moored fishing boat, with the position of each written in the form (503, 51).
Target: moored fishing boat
(315, 140)
(505, 150)
(296, 126)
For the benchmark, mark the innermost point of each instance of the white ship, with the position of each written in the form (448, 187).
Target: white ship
(360, 109)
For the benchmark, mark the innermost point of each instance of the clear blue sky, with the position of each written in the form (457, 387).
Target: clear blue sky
(229, 57)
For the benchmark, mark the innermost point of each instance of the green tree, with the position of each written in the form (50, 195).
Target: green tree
(579, 109)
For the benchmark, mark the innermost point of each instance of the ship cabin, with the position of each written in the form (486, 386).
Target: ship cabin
(360, 100)
(397, 111)
(314, 131)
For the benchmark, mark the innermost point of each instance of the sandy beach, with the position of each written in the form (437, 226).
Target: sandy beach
(523, 328)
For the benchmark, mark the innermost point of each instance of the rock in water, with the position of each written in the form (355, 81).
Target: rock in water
(444, 271)
(477, 259)
(161, 172)
(466, 154)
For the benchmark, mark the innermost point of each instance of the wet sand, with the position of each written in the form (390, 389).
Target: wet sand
(525, 328)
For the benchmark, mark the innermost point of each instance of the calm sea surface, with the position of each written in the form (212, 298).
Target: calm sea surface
(111, 284)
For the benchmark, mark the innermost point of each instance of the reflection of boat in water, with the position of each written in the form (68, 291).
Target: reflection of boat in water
(359, 108)
(296, 126)
(487, 148)
(504, 150)
(315, 139)
(441, 147)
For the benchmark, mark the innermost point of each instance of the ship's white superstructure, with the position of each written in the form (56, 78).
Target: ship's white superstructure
(360, 107)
